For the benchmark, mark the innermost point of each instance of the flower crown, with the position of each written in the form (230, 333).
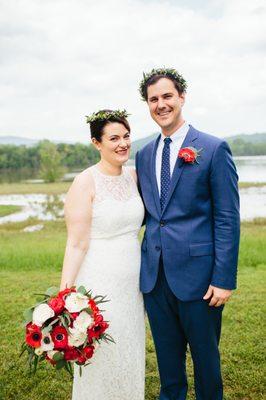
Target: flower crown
(105, 115)
(170, 72)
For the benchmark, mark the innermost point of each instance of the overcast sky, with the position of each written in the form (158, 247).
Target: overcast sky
(63, 59)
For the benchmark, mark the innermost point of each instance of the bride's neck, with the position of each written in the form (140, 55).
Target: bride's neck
(109, 169)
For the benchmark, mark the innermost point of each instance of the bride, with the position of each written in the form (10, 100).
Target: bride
(103, 213)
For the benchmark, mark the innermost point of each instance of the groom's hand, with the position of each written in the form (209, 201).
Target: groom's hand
(218, 296)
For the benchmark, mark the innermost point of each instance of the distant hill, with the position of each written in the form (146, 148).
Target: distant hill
(242, 144)
(245, 144)
(252, 138)
(138, 144)
(17, 141)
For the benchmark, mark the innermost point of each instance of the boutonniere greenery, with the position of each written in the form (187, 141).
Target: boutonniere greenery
(189, 155)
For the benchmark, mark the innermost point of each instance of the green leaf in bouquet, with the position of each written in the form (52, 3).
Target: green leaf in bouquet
(31, 356)
(88, 310)
(108, 338)
(64, 322)
(100, 299)
(68, 367)
(50, 325)
(23, 348)
(41, 301)
(60, 364)
(82, 290)
(47, 329)
(27, 314)
(35, 364)
(52, 291)
(58, 356)
(67, 317)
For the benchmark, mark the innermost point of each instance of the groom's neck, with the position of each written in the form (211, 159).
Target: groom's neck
(168, 131)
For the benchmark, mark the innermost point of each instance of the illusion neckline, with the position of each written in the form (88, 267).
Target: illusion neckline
(109, 176)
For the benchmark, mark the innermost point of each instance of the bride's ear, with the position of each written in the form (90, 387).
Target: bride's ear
(96, 144)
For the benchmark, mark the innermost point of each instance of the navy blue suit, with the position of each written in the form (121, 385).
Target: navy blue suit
(192, 243)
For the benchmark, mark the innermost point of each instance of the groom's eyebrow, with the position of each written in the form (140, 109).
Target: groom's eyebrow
(164, 94)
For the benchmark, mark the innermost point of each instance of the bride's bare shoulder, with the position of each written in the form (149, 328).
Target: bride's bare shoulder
(83, 182)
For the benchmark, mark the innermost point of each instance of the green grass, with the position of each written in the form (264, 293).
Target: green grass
(30, 262)
(244, 185)
(62, 187)
(28, 188)
(8, 209)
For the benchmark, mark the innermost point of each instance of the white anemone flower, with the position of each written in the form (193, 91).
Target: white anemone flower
(75, 302)
(83, 321)
(38, 351)
(41, 313)
(76, 338)
(46, 343)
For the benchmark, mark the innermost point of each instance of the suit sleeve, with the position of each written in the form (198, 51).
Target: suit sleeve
(225, 198)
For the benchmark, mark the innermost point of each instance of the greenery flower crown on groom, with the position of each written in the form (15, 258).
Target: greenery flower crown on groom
(105, 115)
(168, 72)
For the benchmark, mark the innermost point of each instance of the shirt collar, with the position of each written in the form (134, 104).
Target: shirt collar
(182, 131)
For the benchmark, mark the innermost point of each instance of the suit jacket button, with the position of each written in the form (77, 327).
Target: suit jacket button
(158, 248)
(162, 223)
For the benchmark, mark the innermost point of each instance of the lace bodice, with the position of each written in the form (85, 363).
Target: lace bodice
(117, 206)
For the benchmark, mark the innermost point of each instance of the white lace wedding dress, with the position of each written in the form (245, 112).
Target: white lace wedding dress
(111, 267)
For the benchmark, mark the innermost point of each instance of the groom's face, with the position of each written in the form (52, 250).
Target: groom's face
(165, 104)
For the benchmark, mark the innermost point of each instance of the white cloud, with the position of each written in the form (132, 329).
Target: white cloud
(63, 59)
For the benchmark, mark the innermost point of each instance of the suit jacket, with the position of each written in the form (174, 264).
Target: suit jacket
(197, 232)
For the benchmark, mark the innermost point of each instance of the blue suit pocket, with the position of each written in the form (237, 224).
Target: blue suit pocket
(201, 249)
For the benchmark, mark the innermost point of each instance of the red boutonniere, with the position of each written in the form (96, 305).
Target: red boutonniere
(189, 155)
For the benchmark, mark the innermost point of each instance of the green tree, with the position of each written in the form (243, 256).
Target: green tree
(50, 162)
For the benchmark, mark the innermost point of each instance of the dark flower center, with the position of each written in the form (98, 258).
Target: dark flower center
(36, 336)
(97, 328)
(47, 340)
(59, 337)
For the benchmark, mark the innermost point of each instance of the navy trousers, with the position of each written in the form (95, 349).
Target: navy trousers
(175, 325)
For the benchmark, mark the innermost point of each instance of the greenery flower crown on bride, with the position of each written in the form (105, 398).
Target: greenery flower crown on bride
(105, 115)
(170, 72)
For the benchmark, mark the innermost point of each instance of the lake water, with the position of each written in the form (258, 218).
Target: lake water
(44, 207)
(251, 169)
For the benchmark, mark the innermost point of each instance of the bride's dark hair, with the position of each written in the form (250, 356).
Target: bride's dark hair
(97, 127)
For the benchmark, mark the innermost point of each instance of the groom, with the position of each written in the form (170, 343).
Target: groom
(188, 182)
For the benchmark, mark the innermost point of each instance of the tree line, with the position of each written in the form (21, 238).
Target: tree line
(78, 156)
(49, 159)
(71, 155)
(241, 147)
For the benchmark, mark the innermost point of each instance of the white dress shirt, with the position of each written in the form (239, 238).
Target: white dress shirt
(177, 140)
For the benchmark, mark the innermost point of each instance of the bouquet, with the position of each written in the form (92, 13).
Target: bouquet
(64, 328)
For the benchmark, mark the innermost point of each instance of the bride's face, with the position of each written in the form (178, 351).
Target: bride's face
(115, 144)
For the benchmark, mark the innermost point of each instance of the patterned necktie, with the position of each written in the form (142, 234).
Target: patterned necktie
(165, 171)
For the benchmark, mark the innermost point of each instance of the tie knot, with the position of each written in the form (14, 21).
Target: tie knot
(167, 141)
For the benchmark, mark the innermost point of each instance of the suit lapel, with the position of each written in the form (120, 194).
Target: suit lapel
(153, 176)
(179, 165)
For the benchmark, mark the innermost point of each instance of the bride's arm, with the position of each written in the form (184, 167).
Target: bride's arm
(78, 212)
